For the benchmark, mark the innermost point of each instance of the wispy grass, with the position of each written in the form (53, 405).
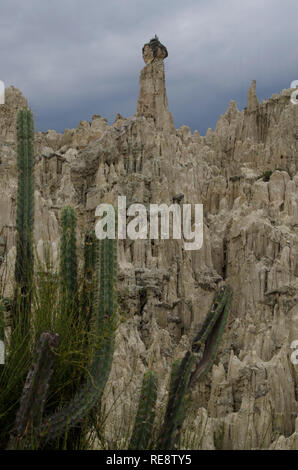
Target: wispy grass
(50, 312)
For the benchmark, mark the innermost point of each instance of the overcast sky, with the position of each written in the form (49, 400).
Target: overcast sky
(75, 58)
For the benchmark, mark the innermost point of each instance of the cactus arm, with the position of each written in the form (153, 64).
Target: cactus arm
(89, 298)
(183, 378)
(68, 261)
(213, 339)
(55, 426)
(214, 313)
(35, 391)
(145, 415)
(175, 411)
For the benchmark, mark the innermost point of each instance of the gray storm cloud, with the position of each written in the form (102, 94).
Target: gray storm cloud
(72, 59)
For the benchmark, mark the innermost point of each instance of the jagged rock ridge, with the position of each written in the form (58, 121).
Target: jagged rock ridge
(245, 174)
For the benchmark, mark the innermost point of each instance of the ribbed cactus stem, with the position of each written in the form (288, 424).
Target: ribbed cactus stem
(142, 431)
(211, 333)
(190, 369)
(89, 299)
(108, 279)
(35, 391)
(25, 215)
(68, 257)
(175, 411)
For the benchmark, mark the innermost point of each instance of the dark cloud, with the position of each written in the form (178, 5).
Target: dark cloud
(73, 59)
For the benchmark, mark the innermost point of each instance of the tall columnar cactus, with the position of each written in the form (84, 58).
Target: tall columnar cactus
(108, 278)
(89, 297)
(68, 256)
(142, 431)
(175, 411)
(56, 425)
(25, 216)
(191, 369)
(88, 396)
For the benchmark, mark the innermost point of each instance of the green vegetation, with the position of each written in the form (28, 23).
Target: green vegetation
(266, 175)
(24, 219)
(142, 431)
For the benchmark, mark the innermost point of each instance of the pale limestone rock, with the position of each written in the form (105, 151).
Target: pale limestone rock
(152, 101)
(14, 101)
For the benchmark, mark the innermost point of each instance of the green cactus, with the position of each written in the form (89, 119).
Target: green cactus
(211, 333)
(68, 257)
(89, 297)
(175, 411)
(191, 370)
(142, 431)
(44, 431)
(108, 278)
(32, 402)
(55, 426)
(179, 386)
(25, 218)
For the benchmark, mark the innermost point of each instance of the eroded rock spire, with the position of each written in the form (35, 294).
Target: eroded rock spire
(252, 100)
(153, 102)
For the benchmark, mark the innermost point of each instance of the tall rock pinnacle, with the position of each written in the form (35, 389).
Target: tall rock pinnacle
(153, 102)
(252, 100)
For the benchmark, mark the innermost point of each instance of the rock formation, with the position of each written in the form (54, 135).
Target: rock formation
(153, 102)
(245, 174)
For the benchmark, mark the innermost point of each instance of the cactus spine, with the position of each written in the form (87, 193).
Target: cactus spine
(25, 216)
(142, 431)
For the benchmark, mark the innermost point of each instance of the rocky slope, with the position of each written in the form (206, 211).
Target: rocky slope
(245, 175)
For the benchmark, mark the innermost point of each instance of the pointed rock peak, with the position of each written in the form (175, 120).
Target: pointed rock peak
(252, 100)
(233, 106)
(14, 98)
(13, 102)
(154, 50)
(232, 110)
(152, 101)
(118, 117)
